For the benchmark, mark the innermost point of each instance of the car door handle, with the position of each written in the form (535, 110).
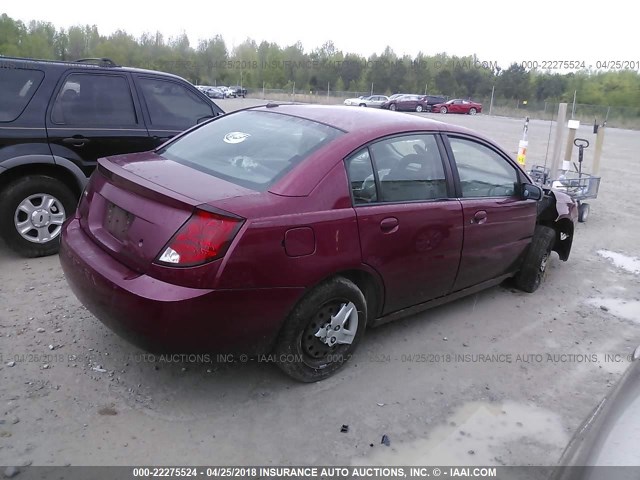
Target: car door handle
(76, 141)
(389, 225)
(480, 217)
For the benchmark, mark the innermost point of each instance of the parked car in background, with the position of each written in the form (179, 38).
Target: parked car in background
(609, 435)
(375, 101)
(238, 91)
(214, 92)
(224, 90)
(291, 228)
(411, 103)
(397, 95)
(58, 118)
(458, 106)
(430, 100)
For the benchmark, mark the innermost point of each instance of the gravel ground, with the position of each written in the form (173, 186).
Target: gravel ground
(71, 392)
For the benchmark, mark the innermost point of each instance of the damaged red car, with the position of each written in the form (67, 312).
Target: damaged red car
(291, 229)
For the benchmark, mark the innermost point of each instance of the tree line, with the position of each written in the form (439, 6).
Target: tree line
(269, 65)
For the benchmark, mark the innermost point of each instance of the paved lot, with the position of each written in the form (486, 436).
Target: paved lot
(505, 377)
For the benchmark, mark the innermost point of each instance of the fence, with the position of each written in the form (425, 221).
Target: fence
(619, 117)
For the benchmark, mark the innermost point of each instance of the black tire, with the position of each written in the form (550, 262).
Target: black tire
(308, 359)
(419, 108)
(536, 260)
(443, 110)
(18, 191)
(392, 107)
(472, 111)
(583, 212)
(363, 105)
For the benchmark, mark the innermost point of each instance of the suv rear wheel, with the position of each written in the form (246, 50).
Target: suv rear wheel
(32, 211)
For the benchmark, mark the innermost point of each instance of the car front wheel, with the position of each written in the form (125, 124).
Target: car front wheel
(472, 111)
(443, 109)
(536, 260)
(419, 108)
(392, 107)
(322, 331)
(32, 211)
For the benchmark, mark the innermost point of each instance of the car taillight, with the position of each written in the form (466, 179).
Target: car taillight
(205, 237)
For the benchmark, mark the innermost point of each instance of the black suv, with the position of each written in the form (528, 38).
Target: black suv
(431, 100)
(58, 118)
(238, 91)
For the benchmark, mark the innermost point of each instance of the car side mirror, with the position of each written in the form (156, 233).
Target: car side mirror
(531, 192)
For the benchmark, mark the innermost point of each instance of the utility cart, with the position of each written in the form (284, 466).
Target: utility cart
(578, 185)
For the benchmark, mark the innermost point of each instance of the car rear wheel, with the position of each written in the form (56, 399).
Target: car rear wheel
(418, 108)
(443, 109)
(32, 211)
(322, 331)
(363, 104)
(392, 107)
(472, 111)
(536, 260)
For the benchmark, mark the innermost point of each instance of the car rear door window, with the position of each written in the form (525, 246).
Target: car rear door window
(482, 171)
(172, 105)
(361, 178)
(409, 168)
(98, 100)
(17, 87)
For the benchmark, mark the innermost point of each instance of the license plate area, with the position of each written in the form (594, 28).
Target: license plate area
(117, 221)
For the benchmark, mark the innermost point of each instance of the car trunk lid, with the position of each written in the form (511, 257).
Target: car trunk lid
(136, 203)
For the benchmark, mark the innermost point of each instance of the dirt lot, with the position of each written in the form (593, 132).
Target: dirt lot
(77, 394)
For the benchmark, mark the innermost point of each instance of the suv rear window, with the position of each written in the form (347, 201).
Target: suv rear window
(17, 86)
(250, 148)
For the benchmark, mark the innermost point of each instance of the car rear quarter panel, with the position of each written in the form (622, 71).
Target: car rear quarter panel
(258, 257)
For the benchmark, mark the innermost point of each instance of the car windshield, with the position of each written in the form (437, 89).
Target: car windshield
(250, 148)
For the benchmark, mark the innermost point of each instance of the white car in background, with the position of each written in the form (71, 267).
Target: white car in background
(367, 101)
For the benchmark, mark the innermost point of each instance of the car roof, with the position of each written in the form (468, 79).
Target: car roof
(352, 120)
(105, 66)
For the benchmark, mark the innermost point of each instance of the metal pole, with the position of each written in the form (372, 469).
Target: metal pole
(493, 89)
(557, 145)
(371, 88)
(263, 90)
(425, 88)
(598, 150)
(573, 109)
(328, 88)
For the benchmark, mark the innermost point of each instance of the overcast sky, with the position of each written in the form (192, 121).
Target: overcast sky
(496, 31)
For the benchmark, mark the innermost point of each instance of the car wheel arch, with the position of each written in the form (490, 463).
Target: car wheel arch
(369, 283)
(564, 229)
(58, 172)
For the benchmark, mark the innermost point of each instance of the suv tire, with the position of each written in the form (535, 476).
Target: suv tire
(32, 191)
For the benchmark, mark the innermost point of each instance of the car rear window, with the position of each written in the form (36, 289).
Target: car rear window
(17, 86)
(250, 148)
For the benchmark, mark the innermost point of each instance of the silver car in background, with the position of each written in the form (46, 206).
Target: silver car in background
(375, 101)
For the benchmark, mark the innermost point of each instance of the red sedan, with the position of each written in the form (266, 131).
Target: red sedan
(289, 229)
(458, 106)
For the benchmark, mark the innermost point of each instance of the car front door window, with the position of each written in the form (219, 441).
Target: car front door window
(482, 171)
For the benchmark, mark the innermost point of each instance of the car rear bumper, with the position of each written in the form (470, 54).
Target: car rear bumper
(163, 317)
